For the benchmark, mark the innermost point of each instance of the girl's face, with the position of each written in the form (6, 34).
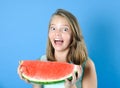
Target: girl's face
(60, 33)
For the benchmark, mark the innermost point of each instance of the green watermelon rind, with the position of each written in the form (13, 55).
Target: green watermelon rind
(35, 81)
(46, 82)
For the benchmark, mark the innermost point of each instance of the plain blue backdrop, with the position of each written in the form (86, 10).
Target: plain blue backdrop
(23, 35)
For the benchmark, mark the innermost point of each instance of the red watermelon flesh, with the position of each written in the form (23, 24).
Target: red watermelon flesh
(45, 71)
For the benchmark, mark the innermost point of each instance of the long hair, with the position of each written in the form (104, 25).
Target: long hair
(78, 52)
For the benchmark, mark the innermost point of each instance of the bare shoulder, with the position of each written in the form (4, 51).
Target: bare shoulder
(90, 64)
(90, 74)
(90, 70)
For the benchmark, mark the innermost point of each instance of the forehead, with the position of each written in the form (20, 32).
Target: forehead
(59, 20)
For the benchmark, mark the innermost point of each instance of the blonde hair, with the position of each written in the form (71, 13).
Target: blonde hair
(78, 52)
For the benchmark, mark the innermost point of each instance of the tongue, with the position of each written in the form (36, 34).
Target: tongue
(58, 42)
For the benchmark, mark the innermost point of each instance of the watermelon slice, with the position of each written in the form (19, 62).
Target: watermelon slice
(46, 72)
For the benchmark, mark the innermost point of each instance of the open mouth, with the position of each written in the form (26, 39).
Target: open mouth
(58, 41)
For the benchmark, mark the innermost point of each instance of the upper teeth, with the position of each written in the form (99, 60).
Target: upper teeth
(57, 39)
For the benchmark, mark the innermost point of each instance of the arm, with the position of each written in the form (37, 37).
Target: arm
(90, 77)
(37, 86)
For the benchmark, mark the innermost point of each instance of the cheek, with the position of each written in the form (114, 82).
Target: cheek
(50, 35)
(68, 38)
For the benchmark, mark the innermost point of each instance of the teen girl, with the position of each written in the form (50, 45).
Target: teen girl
(66, 44)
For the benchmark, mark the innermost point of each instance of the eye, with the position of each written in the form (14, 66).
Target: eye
(52, 28)
(65, 29)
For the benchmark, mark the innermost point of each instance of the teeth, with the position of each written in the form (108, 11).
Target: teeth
(57, 39)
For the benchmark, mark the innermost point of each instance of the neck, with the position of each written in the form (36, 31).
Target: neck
(61, 55)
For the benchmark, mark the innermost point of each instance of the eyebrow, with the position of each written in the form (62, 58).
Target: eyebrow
(61, 25)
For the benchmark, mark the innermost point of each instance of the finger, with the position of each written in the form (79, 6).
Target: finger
(19, 67)
(67, 83)
(70, 81)
(20, 71)
(26, 80)
(79, 72)
(21, 77)
(20, 74)
(74, 77)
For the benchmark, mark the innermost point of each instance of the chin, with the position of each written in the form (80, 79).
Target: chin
(58, 49)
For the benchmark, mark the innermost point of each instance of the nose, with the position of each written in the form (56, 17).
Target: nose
(58, 32)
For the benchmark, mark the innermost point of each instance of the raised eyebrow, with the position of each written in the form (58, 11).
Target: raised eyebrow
(61, 25)
(67, 26)
(51, 24)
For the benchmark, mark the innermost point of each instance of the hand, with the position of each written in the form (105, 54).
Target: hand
(75, 76)
(20, 70)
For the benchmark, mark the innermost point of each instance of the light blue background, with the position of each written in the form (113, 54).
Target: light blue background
(23, 35)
